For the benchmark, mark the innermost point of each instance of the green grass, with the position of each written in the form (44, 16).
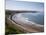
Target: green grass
(10, 30)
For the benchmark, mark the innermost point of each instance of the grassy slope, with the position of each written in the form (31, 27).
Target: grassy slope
(8, 29)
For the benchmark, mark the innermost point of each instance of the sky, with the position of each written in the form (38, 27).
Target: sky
(24, 5)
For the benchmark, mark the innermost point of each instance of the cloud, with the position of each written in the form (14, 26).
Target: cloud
(31, 0)
(20, 5)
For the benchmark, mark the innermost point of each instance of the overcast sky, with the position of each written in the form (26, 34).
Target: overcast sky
(23, 5)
